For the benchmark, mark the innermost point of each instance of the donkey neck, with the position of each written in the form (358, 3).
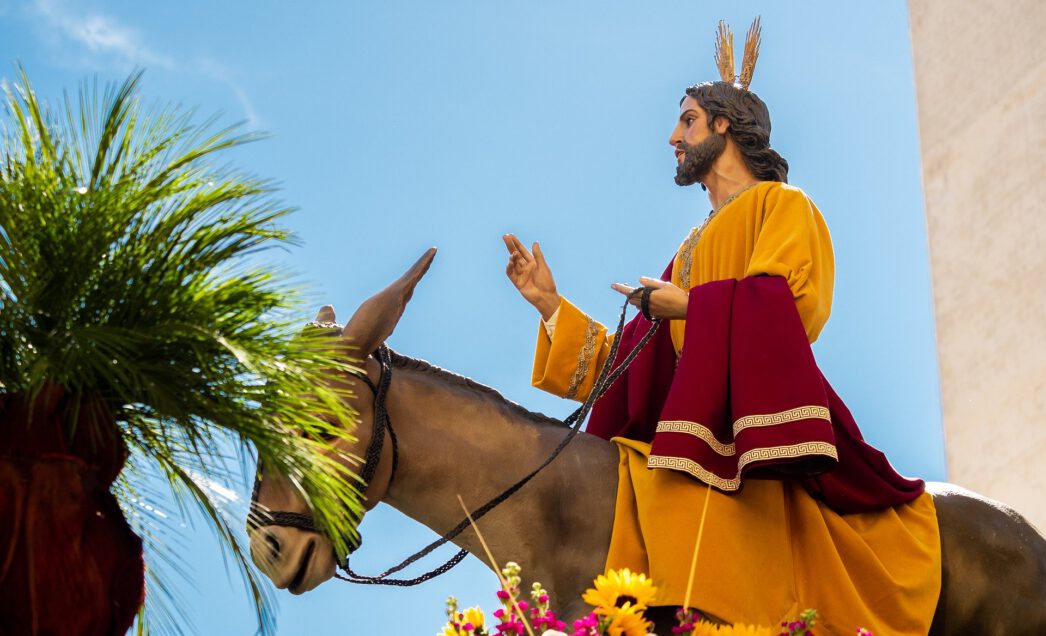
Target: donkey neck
(457, 437)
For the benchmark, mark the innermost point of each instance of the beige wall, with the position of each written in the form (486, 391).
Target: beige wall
(980, 75)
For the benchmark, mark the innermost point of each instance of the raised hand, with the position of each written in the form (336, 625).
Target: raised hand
(530, 273)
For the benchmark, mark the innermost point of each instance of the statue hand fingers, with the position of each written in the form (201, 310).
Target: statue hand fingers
(512, 243)
(656, 283)
(539, 256)
(521, 265)
(517, 246)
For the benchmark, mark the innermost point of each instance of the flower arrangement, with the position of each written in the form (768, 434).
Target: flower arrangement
(463, 623)
(619, 599)
(515, 617)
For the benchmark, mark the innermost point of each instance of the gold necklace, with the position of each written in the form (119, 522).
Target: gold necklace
(686, 252)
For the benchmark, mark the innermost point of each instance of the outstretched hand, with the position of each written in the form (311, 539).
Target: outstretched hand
(666, 301)
(531, 275)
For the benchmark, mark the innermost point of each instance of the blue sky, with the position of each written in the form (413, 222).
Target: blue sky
(399, 125)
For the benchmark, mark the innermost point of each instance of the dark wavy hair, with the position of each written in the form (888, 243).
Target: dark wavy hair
(749, 126)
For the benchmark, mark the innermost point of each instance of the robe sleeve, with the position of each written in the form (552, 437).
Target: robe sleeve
(793, 242)
(567, 363)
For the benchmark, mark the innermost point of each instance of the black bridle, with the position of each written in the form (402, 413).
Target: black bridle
(260, 517)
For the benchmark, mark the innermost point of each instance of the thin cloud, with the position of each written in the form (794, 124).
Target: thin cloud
(253, 120)
(220, 73)
(112, 42)
(101, 35)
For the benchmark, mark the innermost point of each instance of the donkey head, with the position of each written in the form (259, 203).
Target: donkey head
(295, 558)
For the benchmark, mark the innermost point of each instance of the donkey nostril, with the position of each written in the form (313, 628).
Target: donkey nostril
(274, 544)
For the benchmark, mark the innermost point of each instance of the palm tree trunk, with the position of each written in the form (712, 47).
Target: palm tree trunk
(69, 562)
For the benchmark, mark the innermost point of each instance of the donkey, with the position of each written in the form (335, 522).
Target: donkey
(993, 560)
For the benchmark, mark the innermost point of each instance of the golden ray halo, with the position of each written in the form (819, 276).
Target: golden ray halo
(724, 53)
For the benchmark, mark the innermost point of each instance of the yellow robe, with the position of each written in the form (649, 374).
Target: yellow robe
(771, 550)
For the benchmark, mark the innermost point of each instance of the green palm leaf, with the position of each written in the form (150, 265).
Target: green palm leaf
(132, 273)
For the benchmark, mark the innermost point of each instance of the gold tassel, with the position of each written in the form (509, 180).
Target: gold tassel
(724, 53)
(752, 41)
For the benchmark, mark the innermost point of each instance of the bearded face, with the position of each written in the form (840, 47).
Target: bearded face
(697, 159)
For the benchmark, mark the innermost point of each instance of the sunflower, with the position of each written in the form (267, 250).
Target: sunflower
(626, 622)
(744, 630)
(620, 591)
(703, 628)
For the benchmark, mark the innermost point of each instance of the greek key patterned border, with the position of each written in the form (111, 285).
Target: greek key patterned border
(787, 452)
(699, 431)
(705, 434)
(584, 359)
(784, 417)
(691, 467)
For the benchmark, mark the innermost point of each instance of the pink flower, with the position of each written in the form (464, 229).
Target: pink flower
(547, 620)
(586, 626)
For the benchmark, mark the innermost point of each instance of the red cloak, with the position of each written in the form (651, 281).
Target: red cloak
(744, 400)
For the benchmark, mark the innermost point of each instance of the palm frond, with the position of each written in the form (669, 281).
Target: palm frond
(133, 272)
(144, 504)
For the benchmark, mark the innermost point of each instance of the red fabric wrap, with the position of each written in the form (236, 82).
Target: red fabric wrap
(746, 399)
(69, 562)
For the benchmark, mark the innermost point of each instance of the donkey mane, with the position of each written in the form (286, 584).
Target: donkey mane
(401, 361)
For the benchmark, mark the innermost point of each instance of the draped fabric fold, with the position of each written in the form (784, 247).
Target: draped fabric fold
(745, 400)
(69, 561)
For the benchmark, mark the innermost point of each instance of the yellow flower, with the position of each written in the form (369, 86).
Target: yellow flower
(473, 615)
(626, 622)
(448, 630)
(705, 629)
(620, 590)
(709, 629)
(744, 630)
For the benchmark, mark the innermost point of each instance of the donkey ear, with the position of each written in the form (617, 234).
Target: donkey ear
(374, 321)
(326, 314)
